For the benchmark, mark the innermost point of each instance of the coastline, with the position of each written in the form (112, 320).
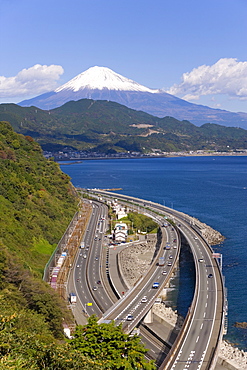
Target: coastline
(66, 158)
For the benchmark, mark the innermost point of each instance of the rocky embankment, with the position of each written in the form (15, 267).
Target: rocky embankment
(233, 356)
(136, 260)
(212, 236)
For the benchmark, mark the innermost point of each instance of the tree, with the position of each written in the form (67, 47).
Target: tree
(108, 346)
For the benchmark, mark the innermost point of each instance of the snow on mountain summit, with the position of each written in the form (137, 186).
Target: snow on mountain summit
(103, 78)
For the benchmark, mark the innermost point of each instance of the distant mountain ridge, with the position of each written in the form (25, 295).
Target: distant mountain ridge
(108, 127)
(101, 83)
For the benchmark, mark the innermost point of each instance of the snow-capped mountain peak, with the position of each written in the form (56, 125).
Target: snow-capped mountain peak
(103, 78)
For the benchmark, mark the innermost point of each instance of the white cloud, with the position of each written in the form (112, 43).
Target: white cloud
(32, 81)
(227, 76)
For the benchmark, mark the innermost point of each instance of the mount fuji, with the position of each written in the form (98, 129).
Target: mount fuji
(101, 83)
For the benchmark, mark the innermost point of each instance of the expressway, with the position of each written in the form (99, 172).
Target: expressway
(196, 346)
(85, 278)
(89, 284)
(134, 305)
(194, 351)
(138, 301)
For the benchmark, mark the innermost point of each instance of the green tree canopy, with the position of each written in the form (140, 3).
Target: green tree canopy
(110, 347)
(142, 222)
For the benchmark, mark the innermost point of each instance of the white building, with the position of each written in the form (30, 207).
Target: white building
(119, 210)
(121, 213)
(120, 232)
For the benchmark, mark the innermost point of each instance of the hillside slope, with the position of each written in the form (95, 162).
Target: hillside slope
(109, 127)
(36, 205)
(36, 199)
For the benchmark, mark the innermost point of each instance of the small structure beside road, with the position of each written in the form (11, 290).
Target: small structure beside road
(120, 232)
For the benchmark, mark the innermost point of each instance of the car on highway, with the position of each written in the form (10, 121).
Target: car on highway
(78, 266)
(144, 299)
(169, 263)
(171, 257)
(84, 256)
(129, 317)
(95, 287)
(96, 258)
(99, 282)
(155, 285)
(210, 275)
(164, 272)
(200, 260)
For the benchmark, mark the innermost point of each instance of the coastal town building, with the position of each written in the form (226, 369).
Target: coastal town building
(120, 232)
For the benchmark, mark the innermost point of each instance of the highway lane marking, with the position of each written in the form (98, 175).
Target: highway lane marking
(197, 339)
(202, 358)
(201, 326)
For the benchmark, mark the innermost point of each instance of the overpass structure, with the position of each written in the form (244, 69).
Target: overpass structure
(197, 344)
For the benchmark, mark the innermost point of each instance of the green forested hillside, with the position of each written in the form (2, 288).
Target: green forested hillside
(36, 199)
(106, 126)
(36, 205)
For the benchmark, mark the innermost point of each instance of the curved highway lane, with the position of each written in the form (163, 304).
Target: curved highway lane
(198, 341)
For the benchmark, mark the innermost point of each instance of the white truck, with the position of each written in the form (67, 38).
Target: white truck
(161, 261)
(72, 298)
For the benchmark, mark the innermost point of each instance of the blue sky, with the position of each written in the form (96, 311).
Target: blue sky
(196, 50)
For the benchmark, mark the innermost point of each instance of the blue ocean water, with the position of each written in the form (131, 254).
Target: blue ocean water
(212, 189)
